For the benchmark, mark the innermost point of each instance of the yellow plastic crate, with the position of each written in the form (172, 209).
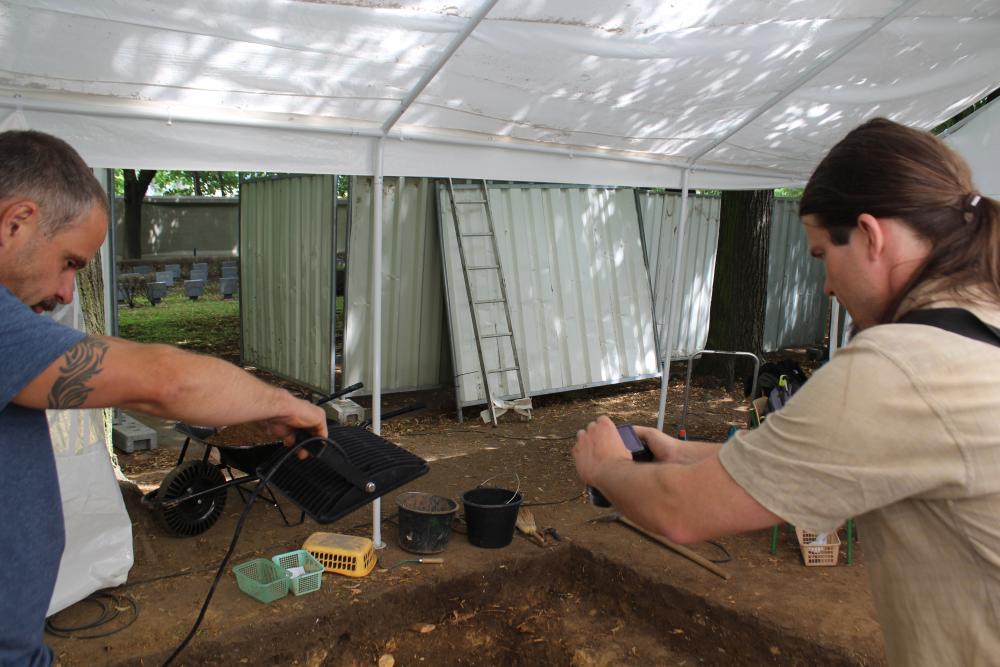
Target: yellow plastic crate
(342, 554)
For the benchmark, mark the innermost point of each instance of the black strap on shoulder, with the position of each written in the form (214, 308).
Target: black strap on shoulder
(955, 320)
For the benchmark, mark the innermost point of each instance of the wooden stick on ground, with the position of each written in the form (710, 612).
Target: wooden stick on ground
(677, 548)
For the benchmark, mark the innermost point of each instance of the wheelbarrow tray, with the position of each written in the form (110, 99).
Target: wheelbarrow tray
(245, 458)
(249, 459)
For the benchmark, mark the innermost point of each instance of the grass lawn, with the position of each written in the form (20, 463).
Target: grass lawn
(209, 325)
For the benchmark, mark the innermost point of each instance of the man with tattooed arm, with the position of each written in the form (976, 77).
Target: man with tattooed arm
(53, 219)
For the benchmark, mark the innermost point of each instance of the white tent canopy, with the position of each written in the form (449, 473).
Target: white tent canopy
(977, 138)
(583, 91)
(706, 93)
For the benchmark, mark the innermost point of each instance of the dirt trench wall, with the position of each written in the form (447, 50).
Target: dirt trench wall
(567, 607)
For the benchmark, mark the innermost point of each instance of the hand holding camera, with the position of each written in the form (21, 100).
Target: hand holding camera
(640, 453)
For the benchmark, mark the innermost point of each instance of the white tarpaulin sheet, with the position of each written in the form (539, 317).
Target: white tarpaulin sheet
(977, 138)
(98, 551)
(572, 91)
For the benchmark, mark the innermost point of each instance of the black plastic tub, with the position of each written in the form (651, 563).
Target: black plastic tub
(425, 522)
(490, 515)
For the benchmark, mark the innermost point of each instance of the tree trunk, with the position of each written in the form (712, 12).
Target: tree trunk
(739, 292)
(197, 183)
(135, 191)
(90, 284)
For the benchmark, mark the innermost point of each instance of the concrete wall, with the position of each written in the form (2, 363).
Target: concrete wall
(176, 226)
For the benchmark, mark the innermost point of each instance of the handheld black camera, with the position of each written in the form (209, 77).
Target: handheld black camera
(640, 453)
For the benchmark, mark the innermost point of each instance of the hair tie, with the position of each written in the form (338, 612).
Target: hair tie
(971, 207)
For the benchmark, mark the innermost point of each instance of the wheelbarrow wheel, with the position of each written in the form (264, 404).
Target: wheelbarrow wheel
(195, 516)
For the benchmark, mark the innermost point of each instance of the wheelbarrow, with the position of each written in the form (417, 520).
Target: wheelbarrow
(332, 482)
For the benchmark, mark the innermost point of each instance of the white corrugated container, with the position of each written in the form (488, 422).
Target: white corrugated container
(796, 307)
(660, 214)
(287, 290)
(577, 285)
(412, 292)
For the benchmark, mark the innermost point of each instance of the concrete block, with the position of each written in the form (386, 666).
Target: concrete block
(156, 291)
(130, 435)
(344, 411)
(194, 288)
(228, 287)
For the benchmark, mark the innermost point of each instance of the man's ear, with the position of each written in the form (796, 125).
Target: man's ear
(873, 232)
(17, 219)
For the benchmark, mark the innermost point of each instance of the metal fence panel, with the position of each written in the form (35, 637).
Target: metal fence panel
(660, 218)
(412, 291)
(287, 252)
(796, 307)
(577, 284)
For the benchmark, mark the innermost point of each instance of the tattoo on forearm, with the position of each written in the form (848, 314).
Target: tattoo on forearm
(82, 362)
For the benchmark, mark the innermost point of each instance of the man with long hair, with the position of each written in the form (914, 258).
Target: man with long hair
(900, 429)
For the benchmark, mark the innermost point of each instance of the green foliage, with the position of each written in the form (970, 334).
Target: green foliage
(966, 112)
(170, 183)
(196, 183)
(132, 286)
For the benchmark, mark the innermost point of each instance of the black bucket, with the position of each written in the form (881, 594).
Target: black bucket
(424, 522)
(490, 515)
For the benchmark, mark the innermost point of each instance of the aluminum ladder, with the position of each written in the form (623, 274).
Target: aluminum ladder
(491, 265)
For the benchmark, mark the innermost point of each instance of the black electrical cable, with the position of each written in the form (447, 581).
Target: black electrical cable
(236, 536)
(544, 438)
(555, 502)
(728, 557)
(111, 607)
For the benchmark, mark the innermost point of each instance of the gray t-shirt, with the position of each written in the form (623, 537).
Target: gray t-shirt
(31, 521)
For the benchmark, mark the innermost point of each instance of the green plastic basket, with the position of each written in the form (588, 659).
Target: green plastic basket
(262, 580)
(304, 583)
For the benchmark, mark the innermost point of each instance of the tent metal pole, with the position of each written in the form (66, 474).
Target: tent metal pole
(48, 106)
(668, 346)
(505, 144)
(845, 335)
(834, 325)
(806, 76)
(172, 115)
(376, 300)
(442, 60)
(108, 257)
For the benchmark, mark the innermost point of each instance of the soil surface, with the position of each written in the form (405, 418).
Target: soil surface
(602, 595)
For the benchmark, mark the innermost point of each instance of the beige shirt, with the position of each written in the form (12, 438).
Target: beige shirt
(902, 430)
